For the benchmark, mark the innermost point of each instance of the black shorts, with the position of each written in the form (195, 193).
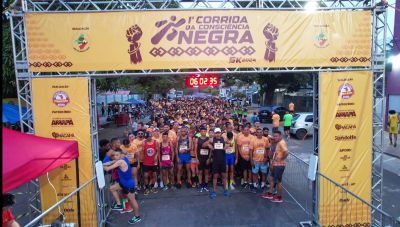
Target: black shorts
(133, 164)
(286, 128)
(277, 173)
(149, 168)
(244, 165)
(219, 167)
(203, 164)
(127, 190)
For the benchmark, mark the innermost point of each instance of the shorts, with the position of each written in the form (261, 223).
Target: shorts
(218, 167)
(126, 190)
(193, 165)
(286, 128)
(393, 130)
(230, 159)
(244, 165)
(166, 167)
(259, 167)
(203, 164)
(277, 172)
(133, 165)
(184, 158)
(149, 168)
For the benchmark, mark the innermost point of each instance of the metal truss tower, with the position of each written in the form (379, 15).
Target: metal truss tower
(24, 76)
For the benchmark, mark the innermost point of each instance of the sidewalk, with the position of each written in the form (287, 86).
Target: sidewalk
(390, 149)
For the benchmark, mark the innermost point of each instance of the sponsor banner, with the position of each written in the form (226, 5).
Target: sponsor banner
(345, 147)
(61, 111)
(139, 40)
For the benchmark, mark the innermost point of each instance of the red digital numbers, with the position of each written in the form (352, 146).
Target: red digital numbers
(202, 80)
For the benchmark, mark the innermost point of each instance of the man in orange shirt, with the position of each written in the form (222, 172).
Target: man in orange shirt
(275, 121)
(278, 167)
(243, 145)
(259, 154)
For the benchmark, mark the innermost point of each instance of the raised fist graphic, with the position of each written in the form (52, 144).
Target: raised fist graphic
(271, 33)
(133, 34)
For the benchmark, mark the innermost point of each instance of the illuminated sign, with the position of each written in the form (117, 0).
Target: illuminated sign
(197, 80)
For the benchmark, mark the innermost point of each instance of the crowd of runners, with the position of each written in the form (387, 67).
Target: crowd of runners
(200, 143)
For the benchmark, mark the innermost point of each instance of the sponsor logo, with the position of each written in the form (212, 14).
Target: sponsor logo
(345, 127)
(60, 99)
(62, 194)
(62, 135)
(345, 157)
(346, 114)
(348, 184)
(241, 60)
(61, 111)
(68, 210)
(346, 91)
(345, 138)
(345, 104)
(81, 43)
(344, 200)
(150, 152)
(133, 35)
(65, 167)
(321, 37)
(65, 178)
(345, 150)
(344, 169)
(62, 122)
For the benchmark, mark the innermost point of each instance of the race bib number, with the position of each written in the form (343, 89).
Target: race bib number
(260, 151)
(230, 151)
(218, 146)
(165, 157)
(204, 151)
(245, 149)
(183, 148)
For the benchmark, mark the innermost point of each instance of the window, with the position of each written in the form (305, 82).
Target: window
(309, 118)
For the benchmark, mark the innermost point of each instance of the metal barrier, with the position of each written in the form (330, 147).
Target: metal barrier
(63, 213)
(345, 209)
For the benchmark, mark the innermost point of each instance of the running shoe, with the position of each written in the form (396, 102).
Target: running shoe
(213, 195)
(161, 184)
(205, 188)
(154, 190)
(200, 189)
(227, 193)
(267, 195)
(277, 199)
(156, 185)
(135, 220)
(117, 207)
(146, 192)
(126, 210)
(188, 185)
(232, 187)
(165, 188)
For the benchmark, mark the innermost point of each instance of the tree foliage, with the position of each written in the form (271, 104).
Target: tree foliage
(8, 72)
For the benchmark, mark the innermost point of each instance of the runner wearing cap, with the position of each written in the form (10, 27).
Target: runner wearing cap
(218, 158)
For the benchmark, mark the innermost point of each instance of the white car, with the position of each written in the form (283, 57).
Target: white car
(302, 125)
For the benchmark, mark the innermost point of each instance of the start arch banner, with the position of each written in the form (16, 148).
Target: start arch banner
(140, 40)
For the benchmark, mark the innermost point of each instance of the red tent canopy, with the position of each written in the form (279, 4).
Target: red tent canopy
(26, 157)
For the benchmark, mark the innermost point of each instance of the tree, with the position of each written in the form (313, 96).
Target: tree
(8, 74)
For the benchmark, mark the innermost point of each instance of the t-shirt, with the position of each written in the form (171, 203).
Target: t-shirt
(130, 152)
(280, 150)
(139, 145)
(258, 147)
(275, 120)
(287, 120)
(7, 217)
(244, 145)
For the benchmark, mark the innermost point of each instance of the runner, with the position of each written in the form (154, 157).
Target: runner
(151, 150)
(217, 157)
(393, 122)
(126, 183)
(139, 144)
(291, 107)
(202, 156)
(231, 158)
(243, 142)
(183, 153)
(259, 154)
(167, 157)
(278, 167)
(275, 121)
(131, 151)
(287, 123)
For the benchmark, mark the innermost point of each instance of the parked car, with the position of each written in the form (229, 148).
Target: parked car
(302, 125)
(265, 113)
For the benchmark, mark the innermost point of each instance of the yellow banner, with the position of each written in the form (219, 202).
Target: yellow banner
(61, 111)
(143, 40)
(345, 147)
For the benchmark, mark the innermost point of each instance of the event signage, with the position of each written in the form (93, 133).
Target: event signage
(141, 40)
(198, 80)
(345, 147)
(61, 111)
